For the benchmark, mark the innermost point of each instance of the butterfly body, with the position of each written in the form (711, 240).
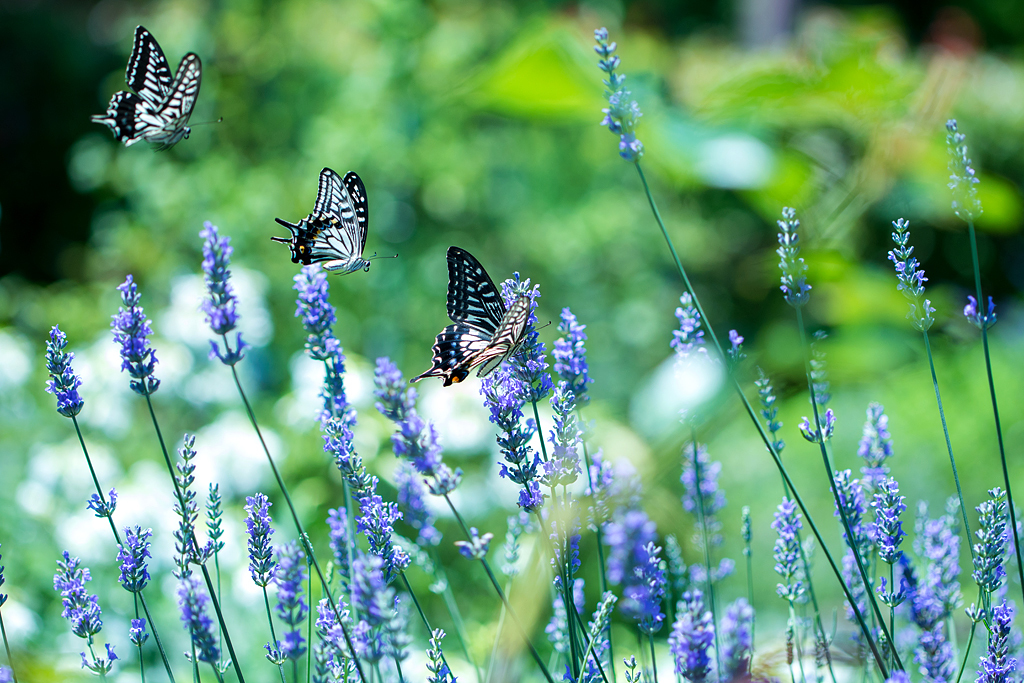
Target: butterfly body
(159, 108)
(334, 235)
(484, 332)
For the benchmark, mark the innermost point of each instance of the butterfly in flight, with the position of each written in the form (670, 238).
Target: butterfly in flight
(485, 332)
(160, 106)
(335, 233)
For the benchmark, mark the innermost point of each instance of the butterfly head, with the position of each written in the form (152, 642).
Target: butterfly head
(186, 130)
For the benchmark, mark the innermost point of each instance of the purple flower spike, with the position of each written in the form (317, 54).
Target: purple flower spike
(318, 317)
(811, 433)
(875, 447)
(505, 394)
(997, 666)
(692, 636)
(787, 552)
(132, 556)
(412, 502)
(570, 354)
(794, 270)
(80, 609)
(220, 304)
(137, 633)
(634, 560)
(529, 361)
(193, 601)
(291, 607)
(476, 547)
(962, 178)
(261, 552)
(981, 321)
(887, 529)
(911, 276)
(63, 382)
(622, 113)
(131, 330)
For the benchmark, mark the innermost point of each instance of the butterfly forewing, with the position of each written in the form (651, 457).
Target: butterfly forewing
(148, 72)
(472, 296)
(354, 184)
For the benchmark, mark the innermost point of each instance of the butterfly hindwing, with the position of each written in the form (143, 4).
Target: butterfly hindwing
(148, 72)
(335, 232)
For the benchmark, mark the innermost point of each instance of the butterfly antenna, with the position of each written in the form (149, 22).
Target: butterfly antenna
(375, 257)
(206, 123)
(542, 326)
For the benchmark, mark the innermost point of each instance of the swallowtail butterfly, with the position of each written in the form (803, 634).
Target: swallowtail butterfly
(160, 106)
(485, 332)
(335, 233)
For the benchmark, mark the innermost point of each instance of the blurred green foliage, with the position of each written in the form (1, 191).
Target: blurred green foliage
(475, 123)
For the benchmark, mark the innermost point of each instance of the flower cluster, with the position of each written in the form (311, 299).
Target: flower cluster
(342, 544)
(476, 547)
(261, 552)
(439, 671)
(962, 178)
(911, 276)
(193, 601)
(769, 411)
(982, 321)
(529, 360)
(875, 447)
(887, 530)
(505, 394)
(570, 354)
(622, 112)
(82, 611)
(996, 665)
(693, 635)
(63, 382)
(220, 303)
(291, 606)
(788, 564)
(634, 561)
(990, 550)
(735, 350)
(707, 499)
(412, 502)
(131, 330)
(563, 465)
(794, 270)
(103, 507)
(812, 433)
(737, 638)
(132, 556)
(376, 522)
(415, 439)
(688, 340)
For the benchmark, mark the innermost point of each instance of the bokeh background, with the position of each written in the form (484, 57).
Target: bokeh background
(476, 123)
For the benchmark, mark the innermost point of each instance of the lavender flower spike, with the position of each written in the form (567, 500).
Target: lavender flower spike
(477, 546)
(220, 304)
(291, 608)
(990, 550)
(688, 340)
(317, 314)
(504, 395)
(131, 330)
(413, 505)
(794, 270)
(261, 552)
(137, 633)
(132, 556)
(911, 276)
(439, 671)
(875, 447)
(736, 638)
(634, 560)
(980, 320)
(962, 178)
(570, 354)
(996, 666)
(622, 113)
(888, 529)
(811, 433)
(193, 601)
(63, 382)
(787, 552)
(82, 610)
(692, 636)
(528, 361)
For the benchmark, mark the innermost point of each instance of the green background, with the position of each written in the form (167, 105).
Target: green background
(476, 124)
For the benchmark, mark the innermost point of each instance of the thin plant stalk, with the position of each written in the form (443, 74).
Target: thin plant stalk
(600, 551)
(202, 565)
(10, 662)
(453, 611)
(304, 538)
(273, 634)
(423, 616)
(654, 659)
(967, 651)
(995, 406)
(750, 599)
(764, 436)
(949, 444)
(703, 520)
(117, 539)
(851, 539)
(798, 641)
(504, 599)
(497, 634)
(309, 621)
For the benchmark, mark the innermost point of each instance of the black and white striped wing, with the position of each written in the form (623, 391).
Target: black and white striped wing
(508, 337)
(173, 113)
(341, 202)
(472, 296)
(148, 72)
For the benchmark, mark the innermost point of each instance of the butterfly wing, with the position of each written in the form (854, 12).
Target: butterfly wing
(507, 338)
(124, 114)
(335, 233)
(472, 297)
(456, 351)
(148, 72)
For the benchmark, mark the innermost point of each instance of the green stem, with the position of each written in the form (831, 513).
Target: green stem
(422, 614)
(453, 611)
(798, 638)
(764, 437)
(949, 444)
(967, 651)
(600, 551)
(750, 600)
(303, 537)
(309, 622)
(995, 406)
(142, 663)
(540, 433)
(206, 572)
(273, 634)
(851, 539)
(706, 544)
(654, 659)
(7, 647)
(501, 594)
(497, 634)
(117, 539)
